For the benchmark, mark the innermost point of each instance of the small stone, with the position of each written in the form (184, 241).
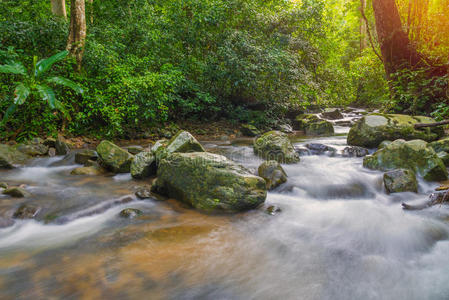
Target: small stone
(332, 114)
(143, 192)
(62, 148)
(93, 170)
(273, 210)
(318, 149)
(401, 180)
(130, 213)
(83, 156)
(273, 173)
(51, 152)
(16, 192)
(355, 151)
(26, 212)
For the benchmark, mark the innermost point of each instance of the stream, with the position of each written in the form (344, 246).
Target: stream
(339, 236)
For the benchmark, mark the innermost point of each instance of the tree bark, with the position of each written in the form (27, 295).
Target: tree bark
(397, 51)
(58, 8)
(77, 33)
(363, 26)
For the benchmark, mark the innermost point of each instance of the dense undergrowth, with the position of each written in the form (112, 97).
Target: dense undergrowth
(148, 63)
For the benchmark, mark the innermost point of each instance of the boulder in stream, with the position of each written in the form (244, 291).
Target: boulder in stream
(413, 155)
(26, 211)
(16, 192)
(143, 165)
(275, 145)
(182, 142)
(114, 158)
(440, 145)
(400, 180)
(332, 114)
(320, 149)
(35, 147)
(372, 129)
(273, 173)
(92, 170)
(62, 148)
(81, 157)
(144, 192)
(130, 213)
(209, 182)
(9, 156)
(355, 151)
(437, 198)
(312, 125)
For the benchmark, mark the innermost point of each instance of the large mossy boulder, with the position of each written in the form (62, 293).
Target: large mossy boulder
(273, 173)
(114, 158)
(373, 129)
(34, 147)
(400, 180)
(275, 145)
(414, 155)
(312, 125)
(143, 165)
(209, 182)
(10, 156)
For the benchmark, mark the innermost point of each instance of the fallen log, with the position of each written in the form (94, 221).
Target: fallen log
(423, 125)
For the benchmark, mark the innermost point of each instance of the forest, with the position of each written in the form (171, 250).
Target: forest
(137, 66)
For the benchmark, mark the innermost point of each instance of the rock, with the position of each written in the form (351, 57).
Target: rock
(10, 156)
(372, 129)
(400, 180)
(159, 144)
(275, 145)
(16, 192)
(50, 142)
(34, 147)
(83, 156)
(143, 165)
(444, 157)
(285, 128)
(440, 145)
(62, 148)
(437, 198)
(249, 130)
(93, 170)
(312, 125)
(384, 144)
(302, 151)
(273, 173)
(134, 149)
(319, 149)
(209, 182)
(273, 210)
(344, 123)
(144, 192)
(51, 152)
(114, 158)
(413, 155)
(332, 114)
(3, 185)
(130, 213)
(166, 133)
(355, 151)
(26, 212)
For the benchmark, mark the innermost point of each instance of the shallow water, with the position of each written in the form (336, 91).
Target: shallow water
(339, 236)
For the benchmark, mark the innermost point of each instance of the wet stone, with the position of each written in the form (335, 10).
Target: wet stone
(51, 152)
(26, 212)
(130, 213)
(355, 151)
(83, 156)
(318, 149)
(16, 192)
(273, 210)
(144, 192)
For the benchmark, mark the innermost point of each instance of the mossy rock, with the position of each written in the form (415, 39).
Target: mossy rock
(413, 155)
(313, 125)
(114, 158)
(209, 182)
(143, 165)
(130, 213)
(372, 129)
(85, 155)
(273, 173)
(92, 170)
(444, 157)
(300, 122)
(400, 180)
(10, 156)
(16, 192)
(182, 142)
(275, 145)
(440, 145)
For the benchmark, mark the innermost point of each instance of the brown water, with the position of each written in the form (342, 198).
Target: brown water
(339, 236)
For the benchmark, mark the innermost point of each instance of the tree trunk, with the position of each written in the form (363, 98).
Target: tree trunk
(363, 27)
(77, 33)
(397, 51)
(58, 8)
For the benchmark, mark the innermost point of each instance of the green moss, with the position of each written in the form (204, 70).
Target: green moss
(275, 145)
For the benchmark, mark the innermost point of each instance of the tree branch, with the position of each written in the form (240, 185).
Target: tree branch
(423, 125)
(368, 30)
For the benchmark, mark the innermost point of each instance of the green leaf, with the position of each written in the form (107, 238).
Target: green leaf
(21, 92)
(13, 68)
(47, 94)
(43, 65)
(66, 82)
(11, 109)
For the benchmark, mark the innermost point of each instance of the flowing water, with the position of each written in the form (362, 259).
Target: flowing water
(339, 236)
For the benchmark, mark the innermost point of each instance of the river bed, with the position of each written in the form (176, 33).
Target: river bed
(339, 236)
